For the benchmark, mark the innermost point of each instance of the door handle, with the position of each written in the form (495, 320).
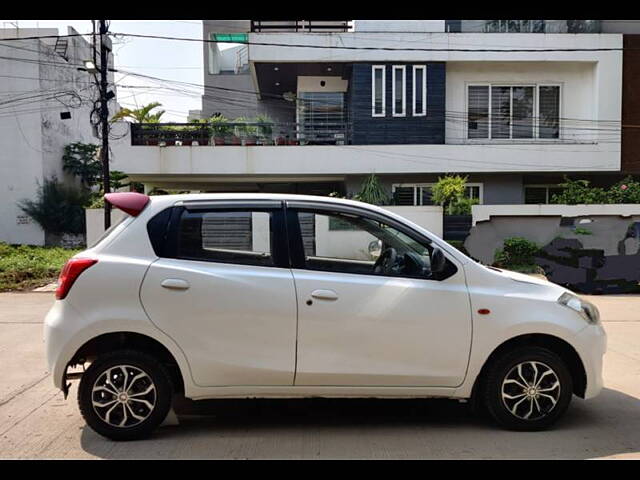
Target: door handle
(175, 284)
(324, 294)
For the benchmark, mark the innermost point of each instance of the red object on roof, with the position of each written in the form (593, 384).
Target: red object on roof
(129, 202)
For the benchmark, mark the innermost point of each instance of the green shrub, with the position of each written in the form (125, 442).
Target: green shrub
(579, 192)
(516, 251)
(625, 191)
(448, 192)
(581, 231)
(462, 206)
(58, 208)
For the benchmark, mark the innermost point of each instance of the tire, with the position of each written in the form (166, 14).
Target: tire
(516, 408)
(147, 380)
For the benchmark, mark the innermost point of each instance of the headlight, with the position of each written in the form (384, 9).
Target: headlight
(587, 310)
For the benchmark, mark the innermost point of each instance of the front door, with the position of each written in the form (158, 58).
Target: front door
(225, 294)
(370, 313)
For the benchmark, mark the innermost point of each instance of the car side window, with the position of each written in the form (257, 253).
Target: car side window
(241, 236)
(349, 243)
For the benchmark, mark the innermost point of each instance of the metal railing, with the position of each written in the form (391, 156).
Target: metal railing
(300, 25)
(235, 134)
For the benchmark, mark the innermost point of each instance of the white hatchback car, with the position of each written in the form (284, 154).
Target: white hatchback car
(251, 295)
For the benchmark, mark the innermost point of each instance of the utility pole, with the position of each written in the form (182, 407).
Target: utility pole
(104, 121)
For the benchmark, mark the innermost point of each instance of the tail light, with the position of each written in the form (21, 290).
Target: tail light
(70, 272)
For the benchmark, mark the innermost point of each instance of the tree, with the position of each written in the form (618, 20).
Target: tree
(140, 115)
(81, 160)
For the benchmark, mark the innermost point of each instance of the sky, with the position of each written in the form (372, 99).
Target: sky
(168, 59)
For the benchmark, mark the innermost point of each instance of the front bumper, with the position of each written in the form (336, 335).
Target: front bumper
(591, 345)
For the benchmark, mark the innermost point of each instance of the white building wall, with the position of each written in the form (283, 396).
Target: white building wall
(32, 133)
(579, 96)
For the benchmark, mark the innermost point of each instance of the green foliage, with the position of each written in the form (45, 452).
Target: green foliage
(23, 266)
(581, 231)
(449, 192)
(579, 192)
(516, 252)
(140, 115)
(58, 208)
(625, 191)
(372, 192)
(243, 129)
(217, 126)
(266, 129)
(462, 205)
(81, 160)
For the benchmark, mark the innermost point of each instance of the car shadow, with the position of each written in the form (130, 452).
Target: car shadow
(377, 428)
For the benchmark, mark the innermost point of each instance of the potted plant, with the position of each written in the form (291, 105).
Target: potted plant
(219, 128)
(246, 131)
(264, 129)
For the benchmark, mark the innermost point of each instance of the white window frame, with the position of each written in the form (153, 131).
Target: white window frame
(402, 68)
(418, 198)
(546, 186)
(373, 90)
(536, 113)
(423, 113)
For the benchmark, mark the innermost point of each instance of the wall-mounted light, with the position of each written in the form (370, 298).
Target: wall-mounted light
(275, 69)
(90, 66)
(329, 69)
(277, 84)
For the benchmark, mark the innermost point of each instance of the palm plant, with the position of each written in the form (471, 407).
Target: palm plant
(140, 115)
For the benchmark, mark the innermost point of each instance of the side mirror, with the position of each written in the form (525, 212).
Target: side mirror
(438, 261)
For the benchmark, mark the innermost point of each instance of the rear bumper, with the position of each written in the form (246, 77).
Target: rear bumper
(591, 345)
(57, 336)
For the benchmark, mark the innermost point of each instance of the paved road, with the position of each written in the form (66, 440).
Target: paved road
(36, 422)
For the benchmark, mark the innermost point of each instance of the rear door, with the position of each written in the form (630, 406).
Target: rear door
(223, 291)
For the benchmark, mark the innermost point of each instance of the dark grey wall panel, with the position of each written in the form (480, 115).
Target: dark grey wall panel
(368, 130)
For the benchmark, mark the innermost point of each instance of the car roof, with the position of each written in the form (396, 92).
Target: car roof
(172, 199)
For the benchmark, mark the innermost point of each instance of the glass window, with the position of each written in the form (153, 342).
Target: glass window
(536, 194)
(378, 90)
(549, 111)
(419, 90)
(522, 116)
(500, 112)
(238, 236)
(478, 111)
(399, 91)
(366, 246)
(512, 112)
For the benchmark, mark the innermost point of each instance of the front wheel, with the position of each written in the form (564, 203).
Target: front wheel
(125, 395)
(528, 389)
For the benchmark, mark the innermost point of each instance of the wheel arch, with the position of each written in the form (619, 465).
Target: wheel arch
(557, 345)
(108, 342)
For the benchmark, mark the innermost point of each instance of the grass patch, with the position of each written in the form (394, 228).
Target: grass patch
(25, 266)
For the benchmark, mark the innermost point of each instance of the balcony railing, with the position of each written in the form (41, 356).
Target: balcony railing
(300, 25)
(235, 134)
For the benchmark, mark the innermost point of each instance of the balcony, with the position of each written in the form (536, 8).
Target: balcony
(238, 134)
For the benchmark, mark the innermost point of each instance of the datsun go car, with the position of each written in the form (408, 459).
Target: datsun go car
(255, 295)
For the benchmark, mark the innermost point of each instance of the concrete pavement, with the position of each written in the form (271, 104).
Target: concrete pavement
(36, 422)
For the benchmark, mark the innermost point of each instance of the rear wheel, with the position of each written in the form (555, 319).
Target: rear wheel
(528, 388)
(125, 395)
